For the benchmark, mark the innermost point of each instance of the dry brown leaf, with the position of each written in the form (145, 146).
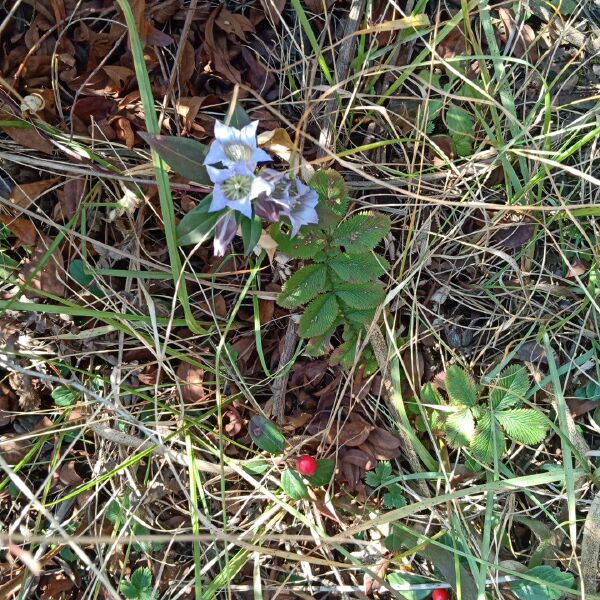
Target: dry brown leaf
(118, 75)
(217, 50)
(26, 193)
(68, 475)
(13, 449)
(56, 586)
(49, 277)
(454, 44)
(319, 7)
(355, 431)
(523, 37)
(23, 229)
(123, 130)
(382, 438)
(29, 138)
(273, 10)
(359, 458)
(234, 23)
(188, 108)
(191, 377)
(70, 197)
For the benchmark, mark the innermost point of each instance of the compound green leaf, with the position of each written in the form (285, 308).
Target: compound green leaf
(303, 286)
(510, 388)
(460, 386)
(460, 428)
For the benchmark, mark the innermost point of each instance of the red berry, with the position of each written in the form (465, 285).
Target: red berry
(306, 465)
(439, 595)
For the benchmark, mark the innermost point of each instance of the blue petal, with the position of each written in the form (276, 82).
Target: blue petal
(244, 206)
(218, 175)
(224, 133)
(248, 134)
(215, 154)
(219, 201)
(224, 233)
(259, 186)
(259, 155)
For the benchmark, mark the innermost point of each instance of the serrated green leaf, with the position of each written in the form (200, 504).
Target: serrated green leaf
(527, 590)
(463, 145)
(129, 591)
(380, 475)
(266, 435)
(362, 232)
(488, 439)
(332, 190)
(523, 425)
(460, 386)
(63, 396)
(318, 316)
(307, 244)
(359, 268)
(324, 472)
(303, 286)
(510, 388)
(360, 317)
(183, 155)
(142, 578)
(394, 498)
(393, 542)
(460, 428)
(292, 485)
(361, 296)
(459, 121)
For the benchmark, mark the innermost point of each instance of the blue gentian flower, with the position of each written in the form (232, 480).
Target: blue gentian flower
(270, 206)
(236, 187)
(233, 146)
(301, 210)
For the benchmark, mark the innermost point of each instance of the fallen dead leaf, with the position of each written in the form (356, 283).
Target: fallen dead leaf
(355, 431)
(513, 236)
(70, 197)
(49, 277)
(192, 390)
(26, 193)
(319, 7)
(29, 138)
(273, 10)
(123, 130)
(23, 229)
(69, 476)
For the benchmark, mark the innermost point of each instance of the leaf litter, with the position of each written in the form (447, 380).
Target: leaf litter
(89, 126)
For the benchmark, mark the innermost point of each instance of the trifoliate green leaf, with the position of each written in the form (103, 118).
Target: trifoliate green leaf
(362, 232)
(319, 316)
(523, 425)
(142, 578)
(460, 428)
(360, 295)
(303, 286)
(510, 388)
(359, 268)
(379, 476)
(394, 498)
(460, 386)
(307, 244)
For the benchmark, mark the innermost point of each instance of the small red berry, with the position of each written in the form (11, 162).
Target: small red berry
(439, 594)
(306, 465)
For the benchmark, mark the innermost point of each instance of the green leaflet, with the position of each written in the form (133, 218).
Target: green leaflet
(360, 295)
(332, 190)
(303, 286)
(523, 425)
(362, 232)
(510, 388)
(359, 268)
(460, 428)
(488, 440)
(460, 387)
(319, 316)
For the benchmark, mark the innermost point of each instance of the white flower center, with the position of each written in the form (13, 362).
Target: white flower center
(237, 187)
(238, 152)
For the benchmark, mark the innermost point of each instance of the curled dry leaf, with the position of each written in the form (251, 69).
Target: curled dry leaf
(522, 36)
(70, 197)
(360, 458)
(454, 44)
(46, 274)
(354, 432)
(191, 377)
(13, 449)
(383, 445)
(233, 421)
(514, 236)
(29, 138)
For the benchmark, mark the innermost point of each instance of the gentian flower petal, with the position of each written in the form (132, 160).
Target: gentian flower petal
(224, 233)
